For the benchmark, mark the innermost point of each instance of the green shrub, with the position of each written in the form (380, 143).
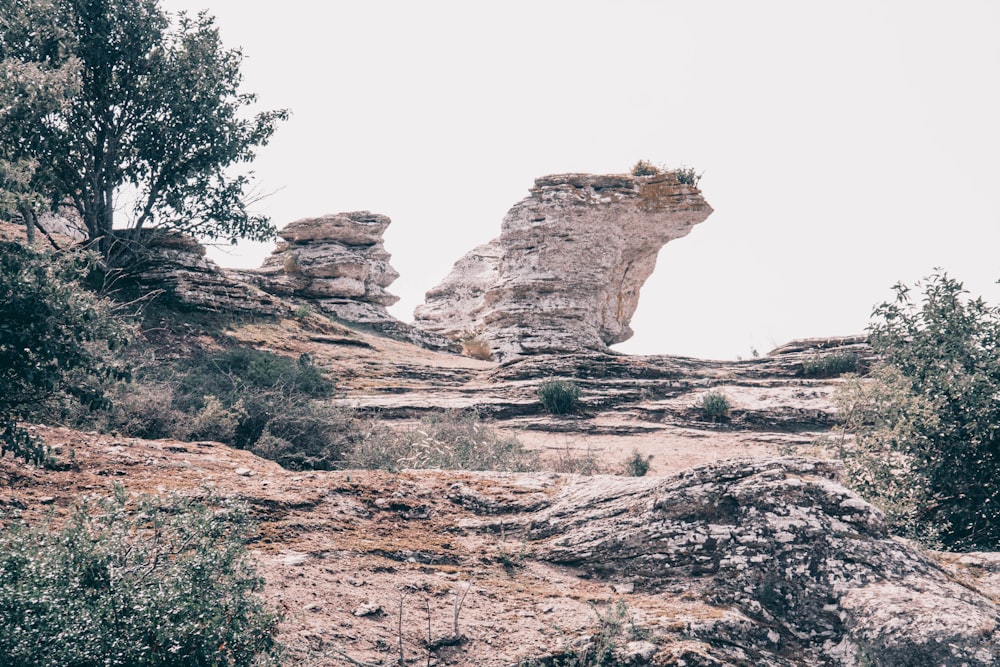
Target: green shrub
(133, 581)
(251, 399)
(688, 176)
(56, 340)
(684, 175)
(560, 397)
(233, 373)
(926, 446)
(309, 435)
(637, 465)
(715, 405)
(830, 365)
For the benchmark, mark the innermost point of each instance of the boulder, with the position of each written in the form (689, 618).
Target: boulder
(565, 273)
(798, 566)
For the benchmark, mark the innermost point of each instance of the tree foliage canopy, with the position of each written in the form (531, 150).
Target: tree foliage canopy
(927, 430)
(105, 99)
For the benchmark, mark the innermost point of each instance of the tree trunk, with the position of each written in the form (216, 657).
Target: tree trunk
(30, 221)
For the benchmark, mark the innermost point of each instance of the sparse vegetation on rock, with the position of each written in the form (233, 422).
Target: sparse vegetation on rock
(684, 175)
(454, 440)
(832, 364)
(715, 405)
(645, 168)
(637, 465)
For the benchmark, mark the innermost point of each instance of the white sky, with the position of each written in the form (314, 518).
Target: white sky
(845, 145)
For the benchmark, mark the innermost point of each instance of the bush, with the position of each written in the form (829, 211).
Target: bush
(715, 405)
(637, 465)
(233, 373)
(830, 365)
(246, 398)
(688, 176)
(926, 446)
(684, 175)
(645, 168)
(311, 435)
(168, 582)
(560, 397)
(56, 340)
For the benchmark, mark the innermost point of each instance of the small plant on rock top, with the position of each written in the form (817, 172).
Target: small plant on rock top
(560, 397)
(645, 168)
(688, 176)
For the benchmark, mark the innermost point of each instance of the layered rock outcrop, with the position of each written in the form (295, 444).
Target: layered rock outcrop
(338, 261)
(766, 562)
(565, 273)
(175, 266)
(338, 264)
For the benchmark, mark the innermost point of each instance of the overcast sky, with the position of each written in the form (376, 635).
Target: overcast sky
(846, 145)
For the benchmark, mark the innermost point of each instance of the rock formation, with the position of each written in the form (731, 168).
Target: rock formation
(565, 273)
(337, 261)
(338, 264)
(177, 265)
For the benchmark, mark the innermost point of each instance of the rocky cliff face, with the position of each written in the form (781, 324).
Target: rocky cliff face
(565, 273)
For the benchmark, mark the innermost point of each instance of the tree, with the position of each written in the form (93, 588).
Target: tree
(927, 428)
(31, 93)
(155, 116)
(54, 340)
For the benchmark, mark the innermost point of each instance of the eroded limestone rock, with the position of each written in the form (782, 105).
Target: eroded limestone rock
(565, 273)
(338, 264)
(176, 265)
(333, 259)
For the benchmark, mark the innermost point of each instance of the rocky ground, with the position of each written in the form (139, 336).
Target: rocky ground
(734, 550)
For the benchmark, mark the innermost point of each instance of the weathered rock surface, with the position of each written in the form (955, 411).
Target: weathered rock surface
(333, 259)
(745, 562)
(565, 273)
(807, 569)
(338, 264)
(177, 265)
